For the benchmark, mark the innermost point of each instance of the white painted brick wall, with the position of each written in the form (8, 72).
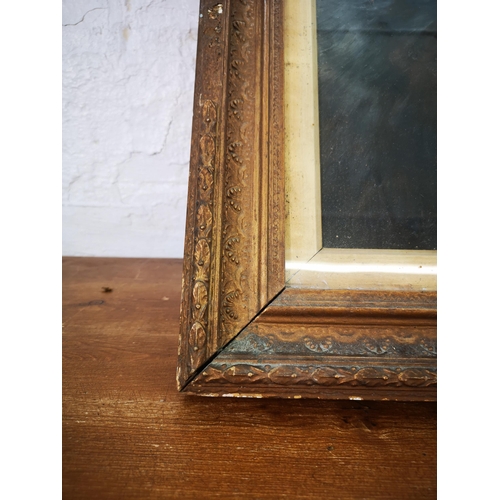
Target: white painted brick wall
(128, 80)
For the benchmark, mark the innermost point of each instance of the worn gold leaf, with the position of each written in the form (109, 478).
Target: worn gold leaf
(204, 221)
(209, 117)
(200, 300)
(207, 146)
(202, 260)
(205, 184)
(197, 340)
(418, 377)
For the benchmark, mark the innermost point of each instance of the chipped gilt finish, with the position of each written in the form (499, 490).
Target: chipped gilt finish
(243, 332)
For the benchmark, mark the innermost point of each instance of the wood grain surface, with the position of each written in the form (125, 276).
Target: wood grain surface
(128, 433)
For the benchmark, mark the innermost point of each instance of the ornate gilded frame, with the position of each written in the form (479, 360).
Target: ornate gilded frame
(243, 331)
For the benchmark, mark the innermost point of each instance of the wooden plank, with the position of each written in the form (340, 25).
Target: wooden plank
(128, 433)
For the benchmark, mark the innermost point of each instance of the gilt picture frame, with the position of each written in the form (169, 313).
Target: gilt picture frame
(244, 331)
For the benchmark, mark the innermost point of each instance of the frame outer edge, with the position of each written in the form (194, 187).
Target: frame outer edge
(234, 228)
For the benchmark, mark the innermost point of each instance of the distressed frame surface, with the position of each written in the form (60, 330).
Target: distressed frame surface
(243, 331)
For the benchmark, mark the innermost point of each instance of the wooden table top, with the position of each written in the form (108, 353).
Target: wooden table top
(128, 433)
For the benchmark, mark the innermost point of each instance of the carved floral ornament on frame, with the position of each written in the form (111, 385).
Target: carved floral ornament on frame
(244, 331)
